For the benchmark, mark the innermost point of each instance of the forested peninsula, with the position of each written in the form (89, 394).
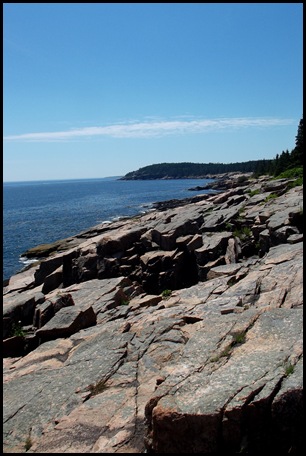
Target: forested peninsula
(274, 167)
(188, 170)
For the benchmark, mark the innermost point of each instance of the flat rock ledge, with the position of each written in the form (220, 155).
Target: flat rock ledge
(178, 331)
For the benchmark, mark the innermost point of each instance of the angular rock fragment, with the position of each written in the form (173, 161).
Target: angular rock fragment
(66, 322)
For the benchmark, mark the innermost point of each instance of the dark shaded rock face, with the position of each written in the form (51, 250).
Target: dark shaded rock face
(179, 331)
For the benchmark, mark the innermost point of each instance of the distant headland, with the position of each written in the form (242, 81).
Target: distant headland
(188, 170)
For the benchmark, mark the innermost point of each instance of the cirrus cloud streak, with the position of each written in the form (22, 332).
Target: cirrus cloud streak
(151, 129)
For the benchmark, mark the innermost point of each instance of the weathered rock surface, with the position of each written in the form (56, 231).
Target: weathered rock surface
(179, 331)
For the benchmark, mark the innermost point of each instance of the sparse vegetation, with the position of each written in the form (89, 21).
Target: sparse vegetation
(295, 183)
(98, 388)
(254, 192)
(292, 173)
(289, 369)
(271, 196)
(243, 233)
(17, 330)
(166, 294)
(228, 226)
(226, 351)
(238, 338)
(224, 354)
(43, 250)
(28, 442)
(257, 246)
(124, 302)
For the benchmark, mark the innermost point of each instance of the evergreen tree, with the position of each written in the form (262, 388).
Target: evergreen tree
(297, 152)
(299, 136)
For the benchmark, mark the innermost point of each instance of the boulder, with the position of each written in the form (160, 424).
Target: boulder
(53, 280)
(214, 245)
(227, 269)
(46, 267)
(45, 311)
(20, 307)
(66, 322)
(233, 250)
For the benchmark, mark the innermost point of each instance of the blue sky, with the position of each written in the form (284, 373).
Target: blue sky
(100, 89)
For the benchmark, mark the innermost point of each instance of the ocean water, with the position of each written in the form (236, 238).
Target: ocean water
(45, 211)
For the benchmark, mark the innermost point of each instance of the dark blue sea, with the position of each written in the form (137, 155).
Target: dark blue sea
(41, 212)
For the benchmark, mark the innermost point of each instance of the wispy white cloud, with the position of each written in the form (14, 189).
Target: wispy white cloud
(153, 128)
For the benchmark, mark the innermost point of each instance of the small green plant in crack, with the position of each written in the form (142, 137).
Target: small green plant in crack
(28, 442)
(224, 354)
(98, 388)
(254, 192)
(289, 369)
(17, 330)
(166, 294)
(271, 196)
(124, 302)
(238, 338)
(244, 233)
(226, 351)
(228, 226)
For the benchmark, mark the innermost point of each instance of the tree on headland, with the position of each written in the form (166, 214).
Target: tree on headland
(290, 160)
(297, 153)
(285, 161)
(281, 162)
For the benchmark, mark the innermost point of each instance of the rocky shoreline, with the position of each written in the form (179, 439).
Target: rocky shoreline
(177, 331)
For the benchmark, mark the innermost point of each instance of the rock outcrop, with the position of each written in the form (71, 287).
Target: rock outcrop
(178, 331)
